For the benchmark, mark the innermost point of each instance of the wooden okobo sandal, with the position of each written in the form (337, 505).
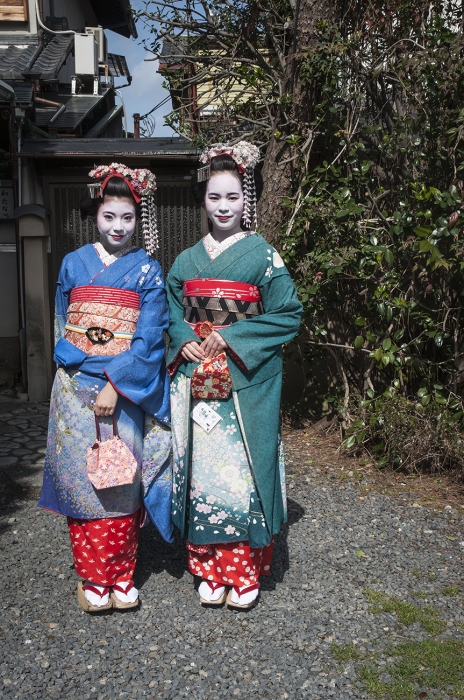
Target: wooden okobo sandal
(84, 603)
(214, 586)
(118, 603)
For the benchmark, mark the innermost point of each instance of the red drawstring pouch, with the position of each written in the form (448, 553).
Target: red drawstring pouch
(211, 379)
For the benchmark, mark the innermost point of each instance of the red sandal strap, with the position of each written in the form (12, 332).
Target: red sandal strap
(125, 591)
(241, 591)
(213, 585)
(93, 589)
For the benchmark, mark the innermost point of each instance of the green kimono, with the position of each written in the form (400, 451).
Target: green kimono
(229, 485)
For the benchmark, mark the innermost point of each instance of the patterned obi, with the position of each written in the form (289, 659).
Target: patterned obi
(102, 320)
(221, 302)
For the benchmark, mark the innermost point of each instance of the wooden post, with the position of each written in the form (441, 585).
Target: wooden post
(136, 126)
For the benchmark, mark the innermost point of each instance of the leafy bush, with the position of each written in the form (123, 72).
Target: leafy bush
(375, 226)
(408, 435)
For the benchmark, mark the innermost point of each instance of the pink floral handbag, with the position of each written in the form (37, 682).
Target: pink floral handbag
(110, 463)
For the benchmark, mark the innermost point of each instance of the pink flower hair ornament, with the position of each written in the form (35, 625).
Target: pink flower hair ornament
(142, 184)
(246, 156)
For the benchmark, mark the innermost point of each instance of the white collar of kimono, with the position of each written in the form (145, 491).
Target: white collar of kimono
(214, 248)
(108, 258)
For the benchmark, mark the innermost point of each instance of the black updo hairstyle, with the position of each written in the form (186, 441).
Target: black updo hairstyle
(220, 164)
(115, 187)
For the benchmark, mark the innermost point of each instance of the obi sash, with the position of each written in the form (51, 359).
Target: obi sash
(102, 320)
(221, 302)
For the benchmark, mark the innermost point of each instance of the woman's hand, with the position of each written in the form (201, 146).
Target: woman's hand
(214, 344)
(106, 401)
(192, 352)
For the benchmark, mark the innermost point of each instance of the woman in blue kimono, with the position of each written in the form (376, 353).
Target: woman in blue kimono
(233, 305)
(111, 312)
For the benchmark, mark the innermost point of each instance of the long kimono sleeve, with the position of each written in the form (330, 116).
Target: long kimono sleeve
(63, 289)
(180, 332)
(254, 341)
(139, 373)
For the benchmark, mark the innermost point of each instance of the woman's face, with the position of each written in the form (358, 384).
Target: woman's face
(224, 203)
(116, 222)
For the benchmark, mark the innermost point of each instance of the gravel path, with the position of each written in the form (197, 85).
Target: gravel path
(335, 546)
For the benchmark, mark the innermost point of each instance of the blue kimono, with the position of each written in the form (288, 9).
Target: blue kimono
(139, 376)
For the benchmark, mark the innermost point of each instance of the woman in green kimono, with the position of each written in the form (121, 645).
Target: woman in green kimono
(232, 299)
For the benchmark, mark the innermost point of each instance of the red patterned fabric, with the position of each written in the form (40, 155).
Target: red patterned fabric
(106, 295)
(226, 289)
(105, 551)
(211, 379)
(230, 563)
(87, 314)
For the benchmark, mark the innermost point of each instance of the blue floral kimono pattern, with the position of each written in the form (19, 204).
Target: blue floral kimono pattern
(140, 378)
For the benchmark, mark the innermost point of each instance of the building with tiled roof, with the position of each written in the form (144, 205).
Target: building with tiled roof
(59, 117)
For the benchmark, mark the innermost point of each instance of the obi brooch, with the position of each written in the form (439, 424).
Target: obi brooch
(97, 334)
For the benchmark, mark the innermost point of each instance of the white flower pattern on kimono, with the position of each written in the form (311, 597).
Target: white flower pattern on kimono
(230, 474)
(203, 508)
(277, 260)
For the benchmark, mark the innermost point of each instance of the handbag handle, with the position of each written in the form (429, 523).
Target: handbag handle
(97, 426)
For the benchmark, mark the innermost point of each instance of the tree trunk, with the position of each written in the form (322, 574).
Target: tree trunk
(278, 169)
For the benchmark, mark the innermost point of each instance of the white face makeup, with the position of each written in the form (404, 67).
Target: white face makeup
(116, 222)
(224, 204)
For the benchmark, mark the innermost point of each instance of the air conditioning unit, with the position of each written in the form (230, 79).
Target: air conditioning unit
(86, 54)
(100, 38)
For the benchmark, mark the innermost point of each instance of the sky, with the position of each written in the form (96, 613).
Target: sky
(146, 90)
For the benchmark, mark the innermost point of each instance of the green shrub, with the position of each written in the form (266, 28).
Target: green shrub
(408, 435)
(375, 235)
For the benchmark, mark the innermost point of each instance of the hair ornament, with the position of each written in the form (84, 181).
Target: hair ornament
(246, 156)
(142, 184)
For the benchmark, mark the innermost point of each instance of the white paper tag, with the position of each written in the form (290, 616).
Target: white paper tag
(205, 416)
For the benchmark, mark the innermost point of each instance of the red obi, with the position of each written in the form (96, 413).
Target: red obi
(220, 302)
(102, 320)
(106, 295)
(221, 288)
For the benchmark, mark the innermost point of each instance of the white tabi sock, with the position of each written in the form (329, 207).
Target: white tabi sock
(244, 598)
(129, 597)
(95, 599)
(206, 592)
